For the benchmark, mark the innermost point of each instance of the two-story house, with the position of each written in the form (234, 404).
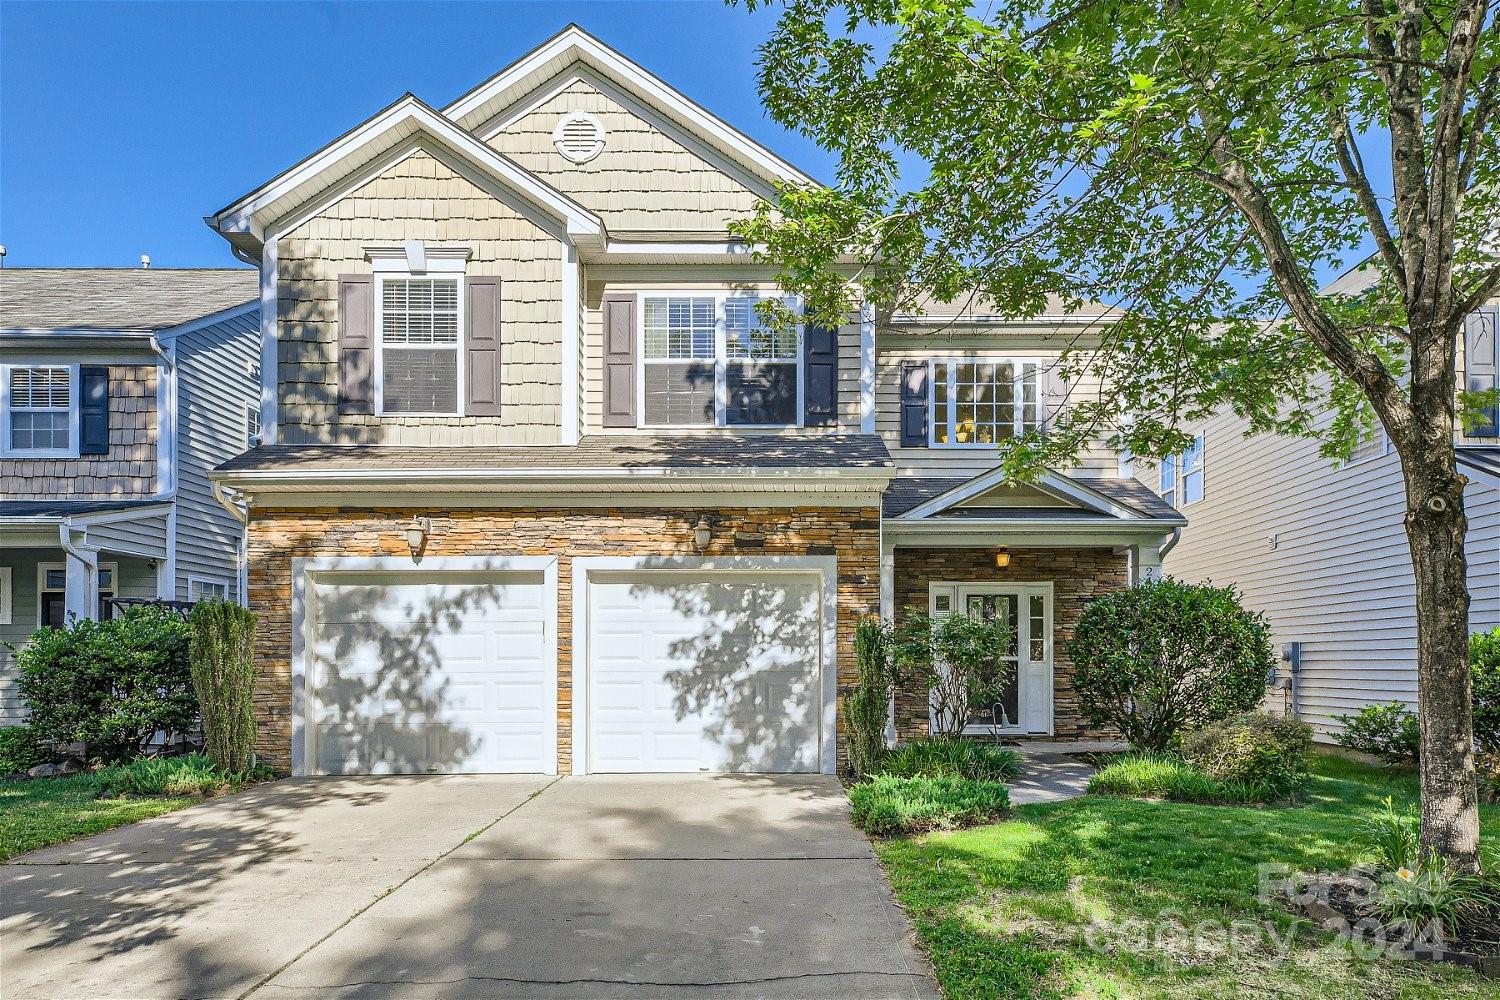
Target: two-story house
(119, 390)
(1320, 547)
(540, 493)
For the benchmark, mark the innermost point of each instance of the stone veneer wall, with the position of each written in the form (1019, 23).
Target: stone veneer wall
(276, 537)
(1077, 575)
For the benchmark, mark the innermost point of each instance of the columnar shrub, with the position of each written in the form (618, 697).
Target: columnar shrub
(109, 684)
(867, 705)
(1164, 656)
(223, 646)
(1258, 749)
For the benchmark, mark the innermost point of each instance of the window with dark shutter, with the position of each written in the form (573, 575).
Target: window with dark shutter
(39, 410)
(820, 374)
(914, 404)
(482, 346)
(619, 360)
(93, 415)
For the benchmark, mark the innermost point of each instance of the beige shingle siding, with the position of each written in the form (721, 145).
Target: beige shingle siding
(643, 180)
(420, 198)
(127, 470)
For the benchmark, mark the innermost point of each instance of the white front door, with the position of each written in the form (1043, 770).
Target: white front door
(415, 673)
(1024, 698)
(703, 672)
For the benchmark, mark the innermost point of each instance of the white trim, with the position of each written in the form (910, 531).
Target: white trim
(7, 595)
(304, 621)
(166, 420)
(826, 567)
(171, 333)
(269, 335)
(1061, 487)
(573, 44)
(212, 581)
(98, 593)
(1018, 405)
(166, 568)
(572, 283)
(867, 368)
(74, 408)
(398, 259)
(720, 359)
(460, 347)
(1033, 679)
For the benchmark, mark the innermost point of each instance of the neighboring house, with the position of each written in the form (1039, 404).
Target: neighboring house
(540, 493)
(1320, 547)
(119, 391)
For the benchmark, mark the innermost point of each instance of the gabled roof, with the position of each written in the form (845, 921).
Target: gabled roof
(572, 46)
(117, 299)
(1053, 496)
(245, 220)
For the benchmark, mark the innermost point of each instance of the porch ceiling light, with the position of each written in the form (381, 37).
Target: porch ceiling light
(1002, 559)
(417, 532)
(702, 533)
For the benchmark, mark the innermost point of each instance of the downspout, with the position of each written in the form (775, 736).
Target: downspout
(1169, 544)
(90, 560)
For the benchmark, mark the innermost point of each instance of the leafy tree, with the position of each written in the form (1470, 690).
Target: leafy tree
(1163, 657)
(955, 659)
(1197, 164)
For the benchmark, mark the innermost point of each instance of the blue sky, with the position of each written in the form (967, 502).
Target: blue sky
(122, 125)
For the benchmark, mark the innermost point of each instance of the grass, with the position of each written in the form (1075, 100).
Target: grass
(951, 758)
(887, 805)
(48, 811)
(1085, 898)
(1162, 776)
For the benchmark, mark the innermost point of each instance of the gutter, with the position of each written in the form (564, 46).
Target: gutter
(1170, 543)
(1103, 526)
(230, 499)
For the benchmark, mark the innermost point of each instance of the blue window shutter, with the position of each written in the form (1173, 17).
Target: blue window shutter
(93, 410)
(1480, 365)
(913, 404)
(820, 376)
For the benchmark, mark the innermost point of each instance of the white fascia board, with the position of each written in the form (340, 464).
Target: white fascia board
(1058, 486)
(529, 478)
(988, 526)
(405, 117)
(981, 319)
(116, 516)
(573, 44)
(75, 332)
(173, 332)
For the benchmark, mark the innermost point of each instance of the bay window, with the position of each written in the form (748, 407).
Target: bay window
(419, 352)
(980, 403)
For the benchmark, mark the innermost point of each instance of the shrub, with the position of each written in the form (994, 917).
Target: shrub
(20, 750)
(1484, 667)
(1389, 732)
(951, 759)
(887, 805)
(1164, 656)
(1164, 776)
(223, 669)
(194, 774)
(1393, 836)
(1256, 749)
(866, 707)
(109, 684)
(955, 659)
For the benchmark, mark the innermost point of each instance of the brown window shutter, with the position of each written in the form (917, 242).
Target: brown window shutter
(619, 360)
(356, 343)
(482, 346)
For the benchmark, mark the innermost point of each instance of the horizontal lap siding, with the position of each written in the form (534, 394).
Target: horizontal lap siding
(1339, 578)
(23, 609)
(643, 180)
(420, 198)
(141, 534)
(214, 394)
(277, 537)
(128, 469)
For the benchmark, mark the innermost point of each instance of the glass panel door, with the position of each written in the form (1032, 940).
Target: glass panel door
(1000, 707)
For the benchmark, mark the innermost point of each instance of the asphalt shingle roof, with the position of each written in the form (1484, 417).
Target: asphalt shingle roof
(708, 451)
(105, 298)
(62, 508)
(904, 494)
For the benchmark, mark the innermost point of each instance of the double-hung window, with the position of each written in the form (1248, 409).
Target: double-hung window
(420, 354)
(39, 411)
(1180, 476)
(710, 360)
(982, 402)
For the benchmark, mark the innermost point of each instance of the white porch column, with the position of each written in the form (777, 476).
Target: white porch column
(1146, 562)
(81, 593)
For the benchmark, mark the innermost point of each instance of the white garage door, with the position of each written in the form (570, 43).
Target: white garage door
(420, 674)
(695, 673)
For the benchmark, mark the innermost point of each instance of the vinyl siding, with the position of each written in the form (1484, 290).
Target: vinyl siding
(214, 392)
(127, 470)
(420, 197)
(649, 177)
(1338, 578)
(143, 535)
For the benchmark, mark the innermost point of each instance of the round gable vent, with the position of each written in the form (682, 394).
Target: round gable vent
(579, 137)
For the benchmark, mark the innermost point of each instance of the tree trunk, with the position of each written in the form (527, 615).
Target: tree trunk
(1435, 529)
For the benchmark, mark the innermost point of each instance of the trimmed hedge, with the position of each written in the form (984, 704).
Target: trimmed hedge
(886, 805)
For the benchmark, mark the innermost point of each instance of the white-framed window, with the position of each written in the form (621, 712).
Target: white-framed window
(7, 595)
(1374, 444)
(1180, 476)
(52, 586)
(1022, 702)
(39, 413)
(252, 424)
(419, 356)
(980, 402)
(709, 360)
(207, 588)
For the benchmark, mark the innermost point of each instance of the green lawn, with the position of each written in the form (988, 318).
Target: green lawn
(49, 811)
(1057, 901)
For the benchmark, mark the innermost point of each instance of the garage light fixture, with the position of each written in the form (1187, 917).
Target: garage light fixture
(1002, 559)
(417, 532)
(702, 533)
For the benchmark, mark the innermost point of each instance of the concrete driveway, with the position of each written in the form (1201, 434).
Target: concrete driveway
(494, 886)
